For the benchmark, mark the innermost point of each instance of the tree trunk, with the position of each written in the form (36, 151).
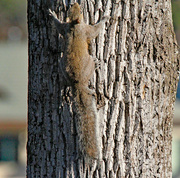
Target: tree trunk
(137, 83)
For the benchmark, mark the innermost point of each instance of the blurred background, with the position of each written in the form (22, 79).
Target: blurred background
(13, 89)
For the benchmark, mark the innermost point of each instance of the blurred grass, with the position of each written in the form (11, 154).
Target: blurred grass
(13, 10)
(176, 14)
(13, 13)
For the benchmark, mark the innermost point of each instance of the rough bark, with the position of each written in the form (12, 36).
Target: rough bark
(137, 79)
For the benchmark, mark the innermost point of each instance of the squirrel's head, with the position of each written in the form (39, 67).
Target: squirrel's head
(75, 14)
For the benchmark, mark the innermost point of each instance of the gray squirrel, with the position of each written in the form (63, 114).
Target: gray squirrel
(78, 67)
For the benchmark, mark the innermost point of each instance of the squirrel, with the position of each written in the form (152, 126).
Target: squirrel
(78, 67)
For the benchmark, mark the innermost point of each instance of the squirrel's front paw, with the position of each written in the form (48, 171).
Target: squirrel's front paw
(52, 13)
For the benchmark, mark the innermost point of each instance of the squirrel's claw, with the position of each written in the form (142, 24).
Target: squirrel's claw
(52, 13)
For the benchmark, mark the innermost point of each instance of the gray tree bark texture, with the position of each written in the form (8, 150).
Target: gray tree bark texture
(136, 82)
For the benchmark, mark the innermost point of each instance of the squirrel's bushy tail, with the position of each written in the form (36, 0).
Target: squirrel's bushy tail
(86, 104)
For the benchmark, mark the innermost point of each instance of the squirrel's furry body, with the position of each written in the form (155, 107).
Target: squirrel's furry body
(78, 67)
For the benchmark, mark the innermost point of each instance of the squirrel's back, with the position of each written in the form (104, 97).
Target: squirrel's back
(79, 62)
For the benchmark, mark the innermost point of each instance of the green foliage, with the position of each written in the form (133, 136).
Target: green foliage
(13, 10)
(176, 14)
